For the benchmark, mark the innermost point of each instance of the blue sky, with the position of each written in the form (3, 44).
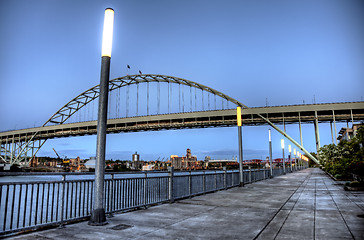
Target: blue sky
(285, 52)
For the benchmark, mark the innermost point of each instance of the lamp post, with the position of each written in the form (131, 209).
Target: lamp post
(295, 159)
(290, 156)
(270, 154)
(238, 116)
(284, 162)
(98, 216)
(298, 160)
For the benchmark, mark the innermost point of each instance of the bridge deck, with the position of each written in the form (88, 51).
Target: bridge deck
(344, 112)
(301, 205)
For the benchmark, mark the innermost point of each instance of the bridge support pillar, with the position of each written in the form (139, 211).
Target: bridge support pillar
(332, 133)
(317, 134)
(333, 118)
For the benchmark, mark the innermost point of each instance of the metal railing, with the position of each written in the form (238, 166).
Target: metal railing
(33, 205)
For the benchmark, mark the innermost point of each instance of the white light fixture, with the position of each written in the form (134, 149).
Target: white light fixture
(289, 148)
(108, 32)
(282, 143)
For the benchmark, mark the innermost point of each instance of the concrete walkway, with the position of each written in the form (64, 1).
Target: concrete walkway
(301, 205)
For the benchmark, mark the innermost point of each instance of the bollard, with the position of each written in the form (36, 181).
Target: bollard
(170, 193)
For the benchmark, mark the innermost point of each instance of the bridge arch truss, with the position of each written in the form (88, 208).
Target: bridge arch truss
(22, 150)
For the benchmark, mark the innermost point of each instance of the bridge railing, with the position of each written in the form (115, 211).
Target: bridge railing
(36, 204)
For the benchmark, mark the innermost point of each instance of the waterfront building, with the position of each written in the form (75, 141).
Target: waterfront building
(187, 162)
(136, 164)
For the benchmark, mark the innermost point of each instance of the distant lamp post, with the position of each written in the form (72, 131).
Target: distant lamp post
(284, 162)
(298, 159)
(295, 160)
(270, 154)
(238, 119)
(290, 156)
(98, 216)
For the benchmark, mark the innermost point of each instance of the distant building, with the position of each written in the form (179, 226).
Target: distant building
(91, 164)
(219, 164)
(136, 164)
(348, 133)
(187, 162)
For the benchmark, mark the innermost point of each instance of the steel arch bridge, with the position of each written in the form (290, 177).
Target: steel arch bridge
(22, 148)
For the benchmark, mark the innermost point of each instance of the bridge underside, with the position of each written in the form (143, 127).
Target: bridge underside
(220, 118)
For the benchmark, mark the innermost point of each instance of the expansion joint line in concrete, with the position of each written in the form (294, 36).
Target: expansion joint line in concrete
(342, 217)
(184, 219)
(314, 213)
(261, 231)
(307, 179)
(347, 194)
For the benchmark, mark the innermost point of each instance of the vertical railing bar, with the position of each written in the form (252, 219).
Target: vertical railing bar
(52, 208)
(88, 196)
(25, 204)
(75, 197)
(6, 206)
(65, 208)
(19, 204)
(137, 192)
(57, 209)
(118, 194)
(31, 205)
(114, 195)
(36, 206)
(79, 198)
(12, 207)
(134, 189)
(129, 192)
(126, 199)
(107, 205)
(123, 196)
(92, 193)
(42, 205)
(83, 199)
(47, 203)
(71, 200)
(159, 189)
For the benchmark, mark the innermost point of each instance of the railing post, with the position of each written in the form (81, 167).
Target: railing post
(215, 180)
(170, 193)
(225, 178)
(190, 184)
(62, 200)
(111, 196)
(145, 189)
(204, 182)
(250, 174)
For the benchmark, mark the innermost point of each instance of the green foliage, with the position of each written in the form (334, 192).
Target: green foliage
(345, 158)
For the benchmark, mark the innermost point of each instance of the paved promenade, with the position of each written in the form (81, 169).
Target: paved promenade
(301, 205)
